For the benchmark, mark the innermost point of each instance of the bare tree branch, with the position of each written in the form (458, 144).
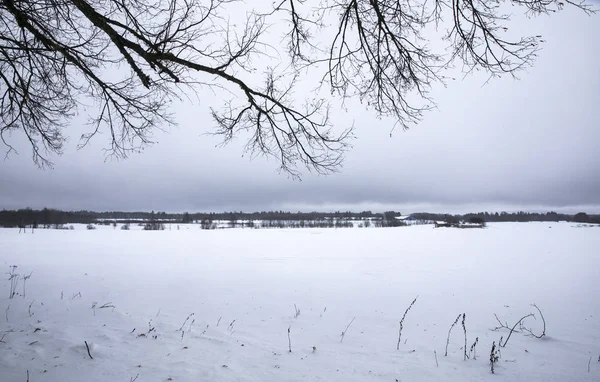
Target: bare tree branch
(125, 61)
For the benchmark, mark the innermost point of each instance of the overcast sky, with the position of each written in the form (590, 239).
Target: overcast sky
(531, 144)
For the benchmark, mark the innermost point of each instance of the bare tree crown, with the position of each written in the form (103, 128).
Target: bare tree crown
(128, 60)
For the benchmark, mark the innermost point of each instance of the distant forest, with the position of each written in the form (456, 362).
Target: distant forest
(27, 216)
(520, 216)
(45, 217)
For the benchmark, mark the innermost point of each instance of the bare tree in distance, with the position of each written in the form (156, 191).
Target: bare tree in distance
(124, 62)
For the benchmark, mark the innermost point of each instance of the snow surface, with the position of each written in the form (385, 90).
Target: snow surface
(242, 284)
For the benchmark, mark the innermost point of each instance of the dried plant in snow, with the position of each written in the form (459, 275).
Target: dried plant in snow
(13, 278)
(88, 349)
(402, 322)
(29, 309)
(450, 331)
(473, 349)
(346, 330)
(25, 278)
(531, 334)
(150, 329)
(493, 356)
(511, 329)
(296, 311)
(465, 331)
(230, 327)
(204, 331)
(185, 322)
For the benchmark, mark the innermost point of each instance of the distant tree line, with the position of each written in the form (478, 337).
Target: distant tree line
(47, 217)
(520, 216)
(28, 216)
(44, 218)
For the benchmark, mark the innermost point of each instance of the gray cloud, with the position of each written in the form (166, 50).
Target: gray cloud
(520, 144)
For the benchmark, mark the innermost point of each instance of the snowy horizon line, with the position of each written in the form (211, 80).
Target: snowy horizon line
(592, 210)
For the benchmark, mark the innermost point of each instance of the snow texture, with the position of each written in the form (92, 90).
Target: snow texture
(241, 286)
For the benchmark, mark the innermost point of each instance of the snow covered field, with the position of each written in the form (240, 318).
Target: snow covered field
(241, 286)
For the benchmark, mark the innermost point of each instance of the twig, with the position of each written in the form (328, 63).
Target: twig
(513, 329)
(402, 322)
(107, 305)
(7, 308)
(449, 331)
(589, 362)
(543, 321)
(88, 349)
(27, 375)
(289, 339)
(219, 320)
(157, 313)
(436, 360)
(502, 326)
(344, 332)
(132, 379)
(2, 338)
